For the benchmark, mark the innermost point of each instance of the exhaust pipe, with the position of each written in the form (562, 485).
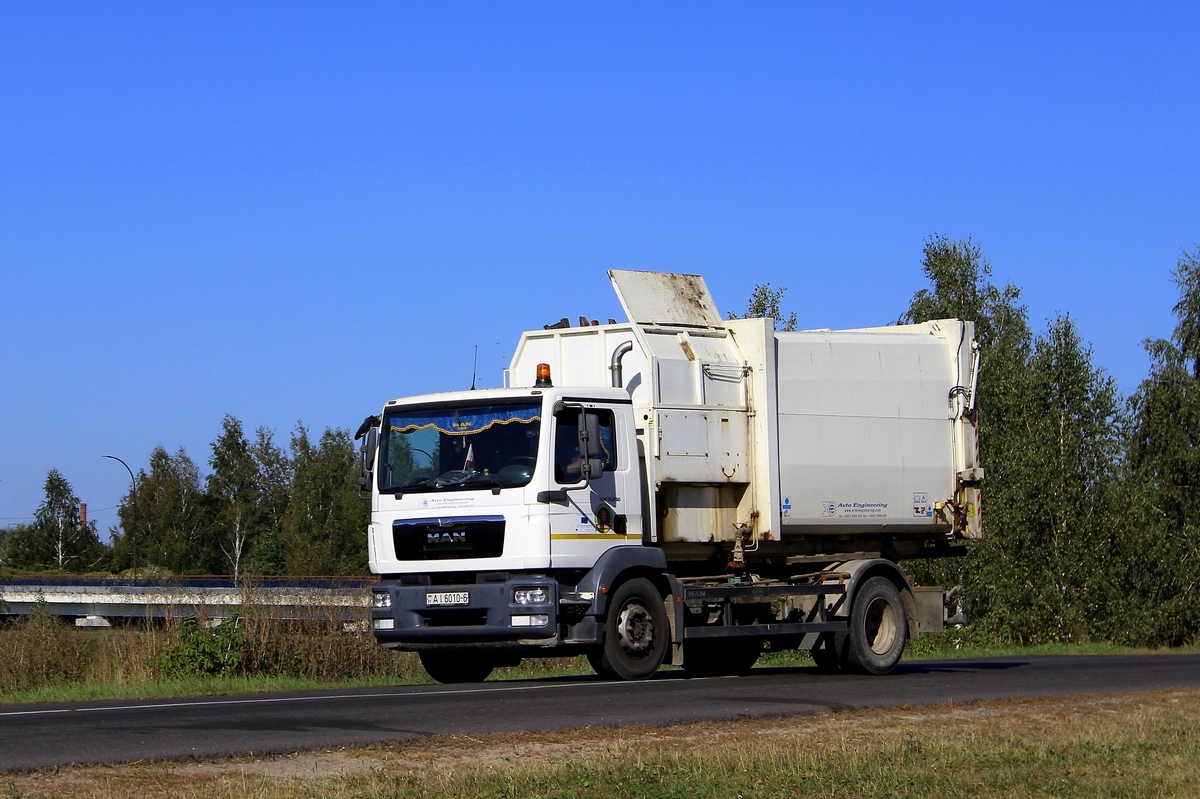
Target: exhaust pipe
(614, 365)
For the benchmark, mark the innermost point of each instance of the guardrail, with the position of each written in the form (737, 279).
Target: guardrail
(96, 601)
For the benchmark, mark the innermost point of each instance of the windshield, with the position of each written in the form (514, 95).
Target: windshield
(468, 447)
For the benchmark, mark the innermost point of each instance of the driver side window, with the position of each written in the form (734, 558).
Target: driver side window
(567, 462)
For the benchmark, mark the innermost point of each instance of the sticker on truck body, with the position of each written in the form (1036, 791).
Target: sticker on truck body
(854, 510)
(447, 502)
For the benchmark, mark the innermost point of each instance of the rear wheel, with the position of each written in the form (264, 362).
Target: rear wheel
(636, 632)
(827, 654)
(452, 667)
(716, 658)
(878, 628)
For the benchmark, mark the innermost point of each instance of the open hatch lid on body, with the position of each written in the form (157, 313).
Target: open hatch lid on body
(665, 298)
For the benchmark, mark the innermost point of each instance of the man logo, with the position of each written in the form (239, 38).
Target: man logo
(448, 537)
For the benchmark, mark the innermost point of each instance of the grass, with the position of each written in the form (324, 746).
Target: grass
(204, 685)
(973, 645)
(1114, 746)
(180, 687)
(49, 661)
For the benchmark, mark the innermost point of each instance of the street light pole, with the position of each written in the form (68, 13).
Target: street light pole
(133, 508)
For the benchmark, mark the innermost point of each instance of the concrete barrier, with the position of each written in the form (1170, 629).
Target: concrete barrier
(97, 601)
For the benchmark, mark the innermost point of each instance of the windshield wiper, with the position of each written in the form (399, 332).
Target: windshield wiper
(415, 484)
(451, 478)
(458, 479)
(488, 480)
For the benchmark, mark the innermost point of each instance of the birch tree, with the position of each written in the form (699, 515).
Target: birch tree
(233, 490)
(58, 539)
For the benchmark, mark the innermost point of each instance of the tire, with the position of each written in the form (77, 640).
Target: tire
(636, 632)
(827, 654)
(595, 659)
(455, 667)
(878, 628)
(716, 658)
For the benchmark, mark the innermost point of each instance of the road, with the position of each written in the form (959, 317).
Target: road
(44, 736)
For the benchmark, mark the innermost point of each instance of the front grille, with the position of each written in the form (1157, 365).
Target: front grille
(449, 538)
(573, 613)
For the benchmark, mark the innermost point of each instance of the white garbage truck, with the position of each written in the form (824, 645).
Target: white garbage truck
(676, 489)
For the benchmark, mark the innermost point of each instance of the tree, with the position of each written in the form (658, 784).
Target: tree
(14, 544)
(1163, 450)
(326, 518)
(1187, 310)
(960, 287)
(1049, 565)
(765, 302)
(275, 474)
(1090, 520)
(57, 539)
(234, 494)
(1166, 406)
(6, 535)
(171, 515)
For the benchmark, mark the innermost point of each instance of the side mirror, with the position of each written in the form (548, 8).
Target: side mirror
(591, 466)
(366, 466)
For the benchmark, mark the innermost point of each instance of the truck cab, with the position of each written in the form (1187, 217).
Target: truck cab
(490, 507)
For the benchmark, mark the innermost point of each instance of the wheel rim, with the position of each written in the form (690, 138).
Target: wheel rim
(635, 629)
(881, 626)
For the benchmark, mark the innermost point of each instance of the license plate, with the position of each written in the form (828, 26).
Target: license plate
(444, 598)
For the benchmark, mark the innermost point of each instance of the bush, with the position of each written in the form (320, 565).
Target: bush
(40, 649)
(219, 650)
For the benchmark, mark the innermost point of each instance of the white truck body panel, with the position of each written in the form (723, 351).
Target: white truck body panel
(867, 425)
(760, 435)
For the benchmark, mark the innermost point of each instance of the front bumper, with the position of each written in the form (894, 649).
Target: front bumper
(421, 616)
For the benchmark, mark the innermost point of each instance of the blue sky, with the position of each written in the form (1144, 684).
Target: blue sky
(295, 211)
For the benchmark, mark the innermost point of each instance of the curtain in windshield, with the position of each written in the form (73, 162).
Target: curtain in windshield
(464, 447)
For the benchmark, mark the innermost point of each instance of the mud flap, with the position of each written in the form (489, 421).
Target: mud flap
(675, 610)
(931, 609)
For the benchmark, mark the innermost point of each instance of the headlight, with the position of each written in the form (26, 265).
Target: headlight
(531, 596)
(530, 621)
(382, 599)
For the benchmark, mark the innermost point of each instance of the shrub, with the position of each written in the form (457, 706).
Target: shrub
(40, 649)
(219, 650)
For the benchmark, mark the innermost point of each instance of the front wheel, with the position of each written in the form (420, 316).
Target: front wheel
(595, 659)
(636, 632)
(452, 667)
(878, 628)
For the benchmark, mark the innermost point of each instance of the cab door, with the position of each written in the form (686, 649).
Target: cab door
(600, 509)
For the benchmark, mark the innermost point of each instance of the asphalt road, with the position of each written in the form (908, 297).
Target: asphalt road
(43, 736)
